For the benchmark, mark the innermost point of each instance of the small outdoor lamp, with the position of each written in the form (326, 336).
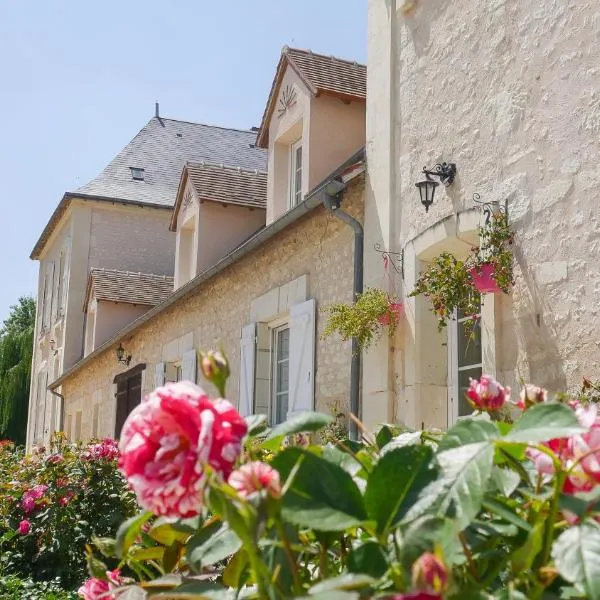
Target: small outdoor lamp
(124, 360)
(445, 172)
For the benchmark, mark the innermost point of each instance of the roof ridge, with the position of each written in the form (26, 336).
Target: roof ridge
(204, 124)
(203, 163)
(310, 52)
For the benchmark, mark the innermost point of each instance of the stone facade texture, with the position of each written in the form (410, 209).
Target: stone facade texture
(318, 245)
(509, 91)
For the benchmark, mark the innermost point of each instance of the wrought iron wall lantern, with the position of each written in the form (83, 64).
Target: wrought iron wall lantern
(445, 172)
(121, 357)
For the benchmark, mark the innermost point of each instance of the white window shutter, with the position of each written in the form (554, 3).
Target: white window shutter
(159, 374)
(188, 366)
(247, 363)
(302, 357)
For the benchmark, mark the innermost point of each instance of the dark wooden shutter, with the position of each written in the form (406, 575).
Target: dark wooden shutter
(122, 411)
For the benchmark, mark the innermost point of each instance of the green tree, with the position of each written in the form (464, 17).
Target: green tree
(16, 351)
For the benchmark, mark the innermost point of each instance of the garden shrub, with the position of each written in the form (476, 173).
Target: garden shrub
(51, 504)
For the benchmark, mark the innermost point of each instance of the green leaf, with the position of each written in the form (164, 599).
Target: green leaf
(203, 552)
(384, 436)
(396, 482)
(576, 554)
(333, 595)
(300, 422)
(368, 558)
(96, 568)
(506, 481)
(235, 569)
(348, 581)
(466, 471)
(171, 557)
(132, 592)
(322, 495)
(499, 508)
(105, 545)
(424, 534)
(165, 532)
(256, 424)
(545, 422)
(342, 459)
(469, 431)
(522, 558)
(128, 532)
(142, 554)
(409, 438)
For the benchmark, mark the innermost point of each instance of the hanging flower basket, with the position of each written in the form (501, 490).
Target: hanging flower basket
(484, 279)
(396, 310)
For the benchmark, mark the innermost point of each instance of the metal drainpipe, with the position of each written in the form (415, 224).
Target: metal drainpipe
(333, 204)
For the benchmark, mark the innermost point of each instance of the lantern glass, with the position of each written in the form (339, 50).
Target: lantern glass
(120, 353)
(427, 192)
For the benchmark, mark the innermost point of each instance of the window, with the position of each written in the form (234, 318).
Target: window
(281, 374)
(295, 173)
(45, 305)
(137, 173)
(464, 362)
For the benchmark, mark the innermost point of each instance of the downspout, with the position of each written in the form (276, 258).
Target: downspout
(333, 204)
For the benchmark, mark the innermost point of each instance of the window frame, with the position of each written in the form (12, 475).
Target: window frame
(273, 397)
(138, 173)
(455, 368)
(295, 193)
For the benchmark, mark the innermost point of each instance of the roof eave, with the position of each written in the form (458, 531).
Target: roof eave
(178, 198)
(62, 207)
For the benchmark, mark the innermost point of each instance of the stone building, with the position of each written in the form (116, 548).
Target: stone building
(196, 235)
(508, 91)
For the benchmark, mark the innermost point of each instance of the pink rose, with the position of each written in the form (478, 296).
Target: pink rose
(27, 503)
(99, 589)
(530, 395)
(95, 589)
(487, 393)
(55, 459)
(24, 527)
(429, 573)
(253, 477)
(169, 439)
(105, 450)
(64, 500)
(38, 491)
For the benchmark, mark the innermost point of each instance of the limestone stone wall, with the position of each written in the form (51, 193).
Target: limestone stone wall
(509, 91)
(318, 246)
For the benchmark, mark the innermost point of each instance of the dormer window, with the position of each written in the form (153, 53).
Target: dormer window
(296, 173)
(137, 173)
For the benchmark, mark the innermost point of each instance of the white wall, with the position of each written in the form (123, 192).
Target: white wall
(508, 91)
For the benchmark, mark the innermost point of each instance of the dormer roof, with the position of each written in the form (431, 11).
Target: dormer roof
(322, 75)
(112, 285)
(223, 184)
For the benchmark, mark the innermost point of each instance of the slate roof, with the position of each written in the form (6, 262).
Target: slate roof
(321, 74)
(219, 183)
(161, 148)
(124, 286)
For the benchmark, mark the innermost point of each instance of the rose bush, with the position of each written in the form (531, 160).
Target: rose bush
(50, 507)
(486, 510)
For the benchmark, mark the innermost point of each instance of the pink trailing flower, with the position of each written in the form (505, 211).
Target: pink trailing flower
(531, 395)
(429, 573)
(24, 527)
(254, 477)
(487, 393)
(168, 441)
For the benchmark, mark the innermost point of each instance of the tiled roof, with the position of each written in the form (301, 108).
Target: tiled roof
(124, 286)
(321, 74)
(219, 183)
(161, 148)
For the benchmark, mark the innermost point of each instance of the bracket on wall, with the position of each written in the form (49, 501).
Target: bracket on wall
(490, 208)
(396, 259)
